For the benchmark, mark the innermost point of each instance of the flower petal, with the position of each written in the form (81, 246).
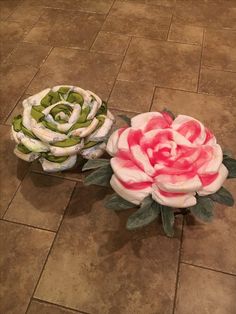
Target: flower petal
(177, 200)
(134, 196)
(149, 120)
(216, 184)
(213, 161)
(178, 183)
(112, 144)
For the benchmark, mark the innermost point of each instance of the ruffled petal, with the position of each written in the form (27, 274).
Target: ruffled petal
(178, 183)
(112, 144)
(134, 196)
(177, 200)
(149, 121)
(216, 182)
(213, 160)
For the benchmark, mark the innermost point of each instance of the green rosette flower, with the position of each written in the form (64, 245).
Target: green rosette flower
(60, 123)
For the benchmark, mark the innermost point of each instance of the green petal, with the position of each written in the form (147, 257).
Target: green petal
(63, 90)
(75, 98)
(37, 115)
(54, 158)
(68, 142)
(23, 149)
(27, 132)
(84, 114)
(55, 97)
(90, 144)
(102, 109)
(61, 108)
(17, 123)
(50, 126)
(78, 125)
(46, 101)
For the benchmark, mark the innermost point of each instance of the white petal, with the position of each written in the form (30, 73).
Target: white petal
(122, 141)
(83, 132)
(215, 185)
(49, 166)
(93, 152)
(26, 157)
(215, 162)
(128, 172)
(133, 196)
(112, 143)
(27, 117)
(140, 121)
(47, 135)
(14, 135)
(36, 99)
(103, 130)
(66, 151)
(75, 114)
(178, 201)
(34, 145)
(181, 184)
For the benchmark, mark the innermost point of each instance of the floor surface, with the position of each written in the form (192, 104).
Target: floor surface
(61, 251)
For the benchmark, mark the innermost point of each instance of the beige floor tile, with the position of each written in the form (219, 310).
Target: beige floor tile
(23, 253)
(89, 70)
(186, 34)
(165, 64)
(204, 291)
(11, 31)
(12, 170)
(220, 50)
(215, 112)
(40, 201)
(97, 6)
(105, 268)
(131, 96)
(218, 83)
(111, 43)
(210, 13)
(7, 8)
(17, 110)
(26, 14)
(66, 28)
(138, 19)
(5, 49)
(13, 81)
(39, 307)
(29, 54)
(213, 245)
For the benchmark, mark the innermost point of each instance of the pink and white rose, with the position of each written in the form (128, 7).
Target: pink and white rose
(173, 160)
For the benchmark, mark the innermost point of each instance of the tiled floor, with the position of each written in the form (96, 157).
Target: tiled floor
(62, 251)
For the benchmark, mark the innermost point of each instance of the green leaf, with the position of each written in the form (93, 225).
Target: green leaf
(230, 164)
(50, 125)
(63, 90)
(148, 212)
(17, 123)
(222, 196)
(46, 101)
(203, 209)
(95, 163)
(37, 115)
(68, 142)
(55, 97)
(168, 219)
(169, 112)
(117, 203)
(102, 176)
(125, 118)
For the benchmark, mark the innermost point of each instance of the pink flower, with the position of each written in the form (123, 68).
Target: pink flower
(170, 159)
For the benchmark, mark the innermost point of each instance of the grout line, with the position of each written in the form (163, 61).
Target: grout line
(101, 26)
(55, 176)
(168, 33)
(209, 268)
(122, 61)
(50, 250)
(200, 65)
(26, 225)
(178, 267)
(58, 305)
(153, 96)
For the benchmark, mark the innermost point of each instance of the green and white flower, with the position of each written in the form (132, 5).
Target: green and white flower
(60, 123)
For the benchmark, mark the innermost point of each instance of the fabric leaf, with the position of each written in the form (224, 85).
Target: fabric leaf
(203, 209)
(168, 218)
(117, 203)
(95, 163)
(125, 118)
(230, 164)
(223, 196)
(101, 177)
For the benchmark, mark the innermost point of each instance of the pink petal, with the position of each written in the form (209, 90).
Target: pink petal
(112, 144)
(212, 161)
(149, 120)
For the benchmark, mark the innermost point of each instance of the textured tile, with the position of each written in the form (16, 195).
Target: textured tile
(7, 8)
(218, 83)
(23, 253)
(29, 54)
(138, 20)
(66, 28)
(204, 291)
(97, 6)
(206, 13)
(27, 15)
(220, 50)
(37, 307)
(108, 262)
(12, 170)
(13, 81)
(164, 3)
(5, 49)
(186, 34)
(131, 96)
(213, 245)
(111, 43)
(165, 64)
(11, 31)
(217, 113)
(88, 70)
(40, 201)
